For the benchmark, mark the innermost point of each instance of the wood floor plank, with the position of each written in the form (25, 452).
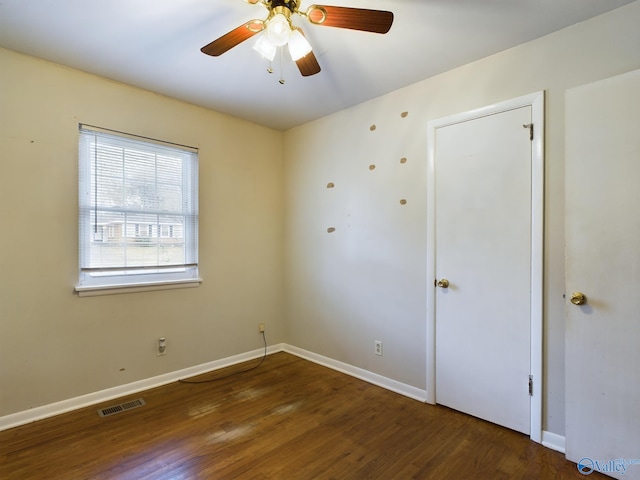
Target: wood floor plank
(288, 419)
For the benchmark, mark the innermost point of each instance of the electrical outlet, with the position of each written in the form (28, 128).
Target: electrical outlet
(377, 345)
(162, 347)
(261, 327)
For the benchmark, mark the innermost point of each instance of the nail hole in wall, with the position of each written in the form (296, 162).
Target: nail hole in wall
(372, 127)
(330, 185)
(404, 114)
(403, 160)
(331, 230)
(372, 167)
(403, 202)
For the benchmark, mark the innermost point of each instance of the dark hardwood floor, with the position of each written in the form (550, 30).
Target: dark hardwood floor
(288, 419)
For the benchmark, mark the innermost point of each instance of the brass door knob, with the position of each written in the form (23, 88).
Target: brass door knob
(578, 298)
(444, 283)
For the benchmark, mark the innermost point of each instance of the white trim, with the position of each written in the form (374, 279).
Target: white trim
(536, 101)
(138, 138)
(553, 441)
(367, 376)
(96, 290)
(537, 261)
(64, 406)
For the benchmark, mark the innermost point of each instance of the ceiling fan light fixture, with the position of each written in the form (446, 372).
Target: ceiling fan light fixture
(278, 30)
(265, 48)
(298, 45)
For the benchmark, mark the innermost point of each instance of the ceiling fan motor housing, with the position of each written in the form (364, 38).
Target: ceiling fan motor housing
(291, 5)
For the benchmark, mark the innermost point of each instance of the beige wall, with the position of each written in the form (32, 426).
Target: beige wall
(56, 346)
(366, 281)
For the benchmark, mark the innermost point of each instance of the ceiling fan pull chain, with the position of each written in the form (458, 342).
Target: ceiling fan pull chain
(281, 66)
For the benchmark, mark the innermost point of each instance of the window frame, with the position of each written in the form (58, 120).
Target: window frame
(103, 279)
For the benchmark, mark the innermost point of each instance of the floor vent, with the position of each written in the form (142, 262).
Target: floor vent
(112, 410)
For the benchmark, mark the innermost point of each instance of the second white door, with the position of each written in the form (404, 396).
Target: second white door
(603, 263)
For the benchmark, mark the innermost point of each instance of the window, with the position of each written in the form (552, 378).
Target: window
(138, 222)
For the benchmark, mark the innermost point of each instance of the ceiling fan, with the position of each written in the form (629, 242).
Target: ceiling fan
(279, 30)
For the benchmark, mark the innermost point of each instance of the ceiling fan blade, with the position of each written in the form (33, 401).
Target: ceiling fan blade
(376, 21)
(308, 65)
(233, 38)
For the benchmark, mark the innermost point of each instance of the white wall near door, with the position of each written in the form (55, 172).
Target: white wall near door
(325, 311)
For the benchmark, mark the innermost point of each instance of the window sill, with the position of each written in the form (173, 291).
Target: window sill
(96, 290)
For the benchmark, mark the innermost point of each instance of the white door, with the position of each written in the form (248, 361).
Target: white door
(603, 263)
(483, 231)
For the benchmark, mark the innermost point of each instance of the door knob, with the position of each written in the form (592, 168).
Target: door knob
(444, 283)
(578, 298)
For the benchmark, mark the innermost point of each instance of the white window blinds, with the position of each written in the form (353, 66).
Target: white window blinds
(138, 210)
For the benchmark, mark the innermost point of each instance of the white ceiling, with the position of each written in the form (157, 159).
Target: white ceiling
(155, 44)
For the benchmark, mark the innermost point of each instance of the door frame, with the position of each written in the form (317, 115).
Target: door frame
(536, 102)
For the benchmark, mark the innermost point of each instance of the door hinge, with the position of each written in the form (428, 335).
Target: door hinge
(530, 127)
(531, 385)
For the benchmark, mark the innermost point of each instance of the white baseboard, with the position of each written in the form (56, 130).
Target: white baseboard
(64, 406)
(549, 440)
(553, 441)
(367, 376)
